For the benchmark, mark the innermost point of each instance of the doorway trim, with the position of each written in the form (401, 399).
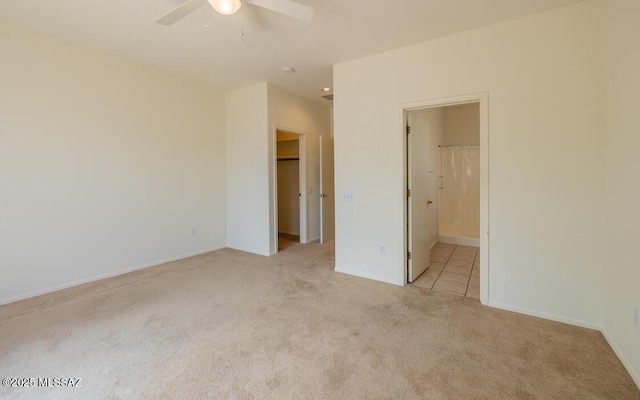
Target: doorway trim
(483, 100)
(302, 183)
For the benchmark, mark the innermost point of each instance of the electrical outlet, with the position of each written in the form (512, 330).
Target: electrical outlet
(194, 231)
(636, 317)
(382, 250)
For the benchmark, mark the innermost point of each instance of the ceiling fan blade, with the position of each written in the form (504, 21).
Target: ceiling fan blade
(286, 7)
(181, 12)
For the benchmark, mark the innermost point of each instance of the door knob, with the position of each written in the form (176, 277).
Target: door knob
(429, 202)
(322, 195)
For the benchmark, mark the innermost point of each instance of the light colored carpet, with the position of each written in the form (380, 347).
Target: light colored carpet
(229, 325)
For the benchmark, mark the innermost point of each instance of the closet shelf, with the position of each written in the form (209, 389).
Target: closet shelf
(288, 158)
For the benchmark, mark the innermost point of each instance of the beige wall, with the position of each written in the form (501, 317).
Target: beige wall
(545, 155)
(462, 124)
(247, 153)
(282, 136)
(105, 165)
(289, 148)
(622, 200)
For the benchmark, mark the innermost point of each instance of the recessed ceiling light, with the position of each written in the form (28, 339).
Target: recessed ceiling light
(326, 89)
(288, 70)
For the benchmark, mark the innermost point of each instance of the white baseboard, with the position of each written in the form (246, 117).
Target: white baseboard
(433, 245)
(290, 233)
(484, 297)
(367, 276)
(635, 375)
(315, 239)
(458, 240)
(105, 276)
(248, 250)
(543, 315)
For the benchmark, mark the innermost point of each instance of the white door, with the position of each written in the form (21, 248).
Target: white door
(327, 198)
(417, 197)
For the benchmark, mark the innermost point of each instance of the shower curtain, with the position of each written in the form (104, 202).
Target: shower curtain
(459, 202)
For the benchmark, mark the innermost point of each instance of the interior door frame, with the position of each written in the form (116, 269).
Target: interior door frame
(483, 100)
(302, 184)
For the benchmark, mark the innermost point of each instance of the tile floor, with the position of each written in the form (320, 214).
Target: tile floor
(453, 269)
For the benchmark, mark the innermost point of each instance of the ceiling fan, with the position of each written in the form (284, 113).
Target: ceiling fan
(229, 7)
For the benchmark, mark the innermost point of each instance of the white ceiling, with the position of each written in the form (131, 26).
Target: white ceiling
(342, 30)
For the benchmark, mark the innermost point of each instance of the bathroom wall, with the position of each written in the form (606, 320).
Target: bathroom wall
(461, 124)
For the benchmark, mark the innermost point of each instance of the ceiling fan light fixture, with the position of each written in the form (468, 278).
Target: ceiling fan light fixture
(225, 7)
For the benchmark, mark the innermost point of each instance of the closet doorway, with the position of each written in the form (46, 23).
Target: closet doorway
(291, 213)
(447, 196)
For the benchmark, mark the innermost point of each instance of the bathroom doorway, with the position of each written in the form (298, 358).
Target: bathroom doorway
(447, 189)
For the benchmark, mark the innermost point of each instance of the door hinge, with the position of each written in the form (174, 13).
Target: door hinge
(408, 192)
(408, 255)
(408, 130)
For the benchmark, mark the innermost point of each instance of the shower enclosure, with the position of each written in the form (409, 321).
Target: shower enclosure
(459, 195)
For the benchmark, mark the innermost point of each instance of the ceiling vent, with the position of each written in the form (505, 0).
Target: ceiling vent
(328, 97)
